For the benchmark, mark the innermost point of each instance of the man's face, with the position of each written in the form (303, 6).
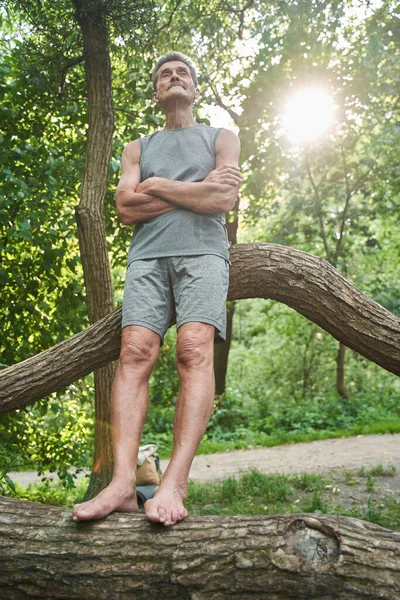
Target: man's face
(175, 83)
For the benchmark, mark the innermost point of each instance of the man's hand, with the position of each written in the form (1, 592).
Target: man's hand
(225, 174)
(144, 186)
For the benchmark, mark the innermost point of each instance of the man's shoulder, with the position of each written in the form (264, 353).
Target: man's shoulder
(210, 128)
(228, 146)
(135, 145)
(132, 144)
(227, 138)
(132, 150)
(228, 135)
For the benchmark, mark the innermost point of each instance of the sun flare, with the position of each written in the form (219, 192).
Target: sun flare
(308, 114)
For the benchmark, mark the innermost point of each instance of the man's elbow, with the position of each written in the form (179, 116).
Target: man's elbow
(229, 204)
(126, 220)
(125, 216)
(228, 198)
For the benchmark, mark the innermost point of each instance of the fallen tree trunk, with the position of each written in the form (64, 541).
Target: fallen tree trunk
(304, 282)
(44, 554)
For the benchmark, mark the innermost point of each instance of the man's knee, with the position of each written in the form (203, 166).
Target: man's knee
(195, 346)
(139, 347)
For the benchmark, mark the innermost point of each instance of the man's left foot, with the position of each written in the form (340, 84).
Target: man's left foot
(117, 496)
(167, 506)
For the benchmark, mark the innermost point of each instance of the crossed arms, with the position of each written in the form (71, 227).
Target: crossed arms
(139, 202)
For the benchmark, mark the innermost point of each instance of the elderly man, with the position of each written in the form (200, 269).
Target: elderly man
(176, 185)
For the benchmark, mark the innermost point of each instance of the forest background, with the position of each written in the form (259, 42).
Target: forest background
(336, 196)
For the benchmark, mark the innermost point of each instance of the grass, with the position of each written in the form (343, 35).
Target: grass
(252, 494)
(51, 492)
(378, 471)
(256, 493)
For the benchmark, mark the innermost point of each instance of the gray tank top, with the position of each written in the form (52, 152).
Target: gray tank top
(185, 154)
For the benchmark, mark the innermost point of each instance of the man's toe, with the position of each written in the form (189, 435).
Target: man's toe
(151, 511)
(183, 513)
(162, 514)
(84, 514)
(76, 511)
(76, 507)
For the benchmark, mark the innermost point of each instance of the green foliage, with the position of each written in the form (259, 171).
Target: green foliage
(164, 382)
(281, 376)
(54, 435)
(51, 492)
(42, 299)
(8, 462)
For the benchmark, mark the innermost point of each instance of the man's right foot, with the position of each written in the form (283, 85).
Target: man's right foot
(167, 505)
(115, 497)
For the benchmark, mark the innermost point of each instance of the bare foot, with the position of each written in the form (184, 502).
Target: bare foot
(167, 505)
(118, 496)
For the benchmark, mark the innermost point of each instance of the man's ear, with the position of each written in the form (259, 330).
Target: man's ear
(155, 96)
(196, 94)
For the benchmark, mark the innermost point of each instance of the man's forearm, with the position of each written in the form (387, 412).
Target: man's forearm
(201, 197)
(134, 208)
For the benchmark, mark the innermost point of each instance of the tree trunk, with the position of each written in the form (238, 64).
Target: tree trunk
(44, 554)
(340, 386)
(221, 351)
(308, 360)
(91, 17)
(302, 281)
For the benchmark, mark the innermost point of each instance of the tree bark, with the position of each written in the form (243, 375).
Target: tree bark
(340, 385)
(304, 282)
(221, 351)
(44, 554)
(308, 357)
(90, 15)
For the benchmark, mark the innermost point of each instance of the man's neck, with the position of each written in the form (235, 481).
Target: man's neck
(178, 118)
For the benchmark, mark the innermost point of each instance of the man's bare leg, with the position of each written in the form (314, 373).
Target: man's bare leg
(195, 363)
(130, 399)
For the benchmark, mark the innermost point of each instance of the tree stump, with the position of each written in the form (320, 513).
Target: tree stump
(44, 554)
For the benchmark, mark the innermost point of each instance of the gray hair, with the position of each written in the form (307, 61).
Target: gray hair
(174, 56)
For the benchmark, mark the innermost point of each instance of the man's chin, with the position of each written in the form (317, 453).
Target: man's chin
(177, 88)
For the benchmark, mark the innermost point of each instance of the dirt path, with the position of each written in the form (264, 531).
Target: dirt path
(308, 457)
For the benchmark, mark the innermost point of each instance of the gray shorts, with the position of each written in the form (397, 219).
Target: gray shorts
(196, 287)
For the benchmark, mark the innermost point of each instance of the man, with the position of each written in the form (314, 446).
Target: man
(175, 187)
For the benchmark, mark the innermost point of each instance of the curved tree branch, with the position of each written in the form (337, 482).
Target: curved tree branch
(306, 283)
